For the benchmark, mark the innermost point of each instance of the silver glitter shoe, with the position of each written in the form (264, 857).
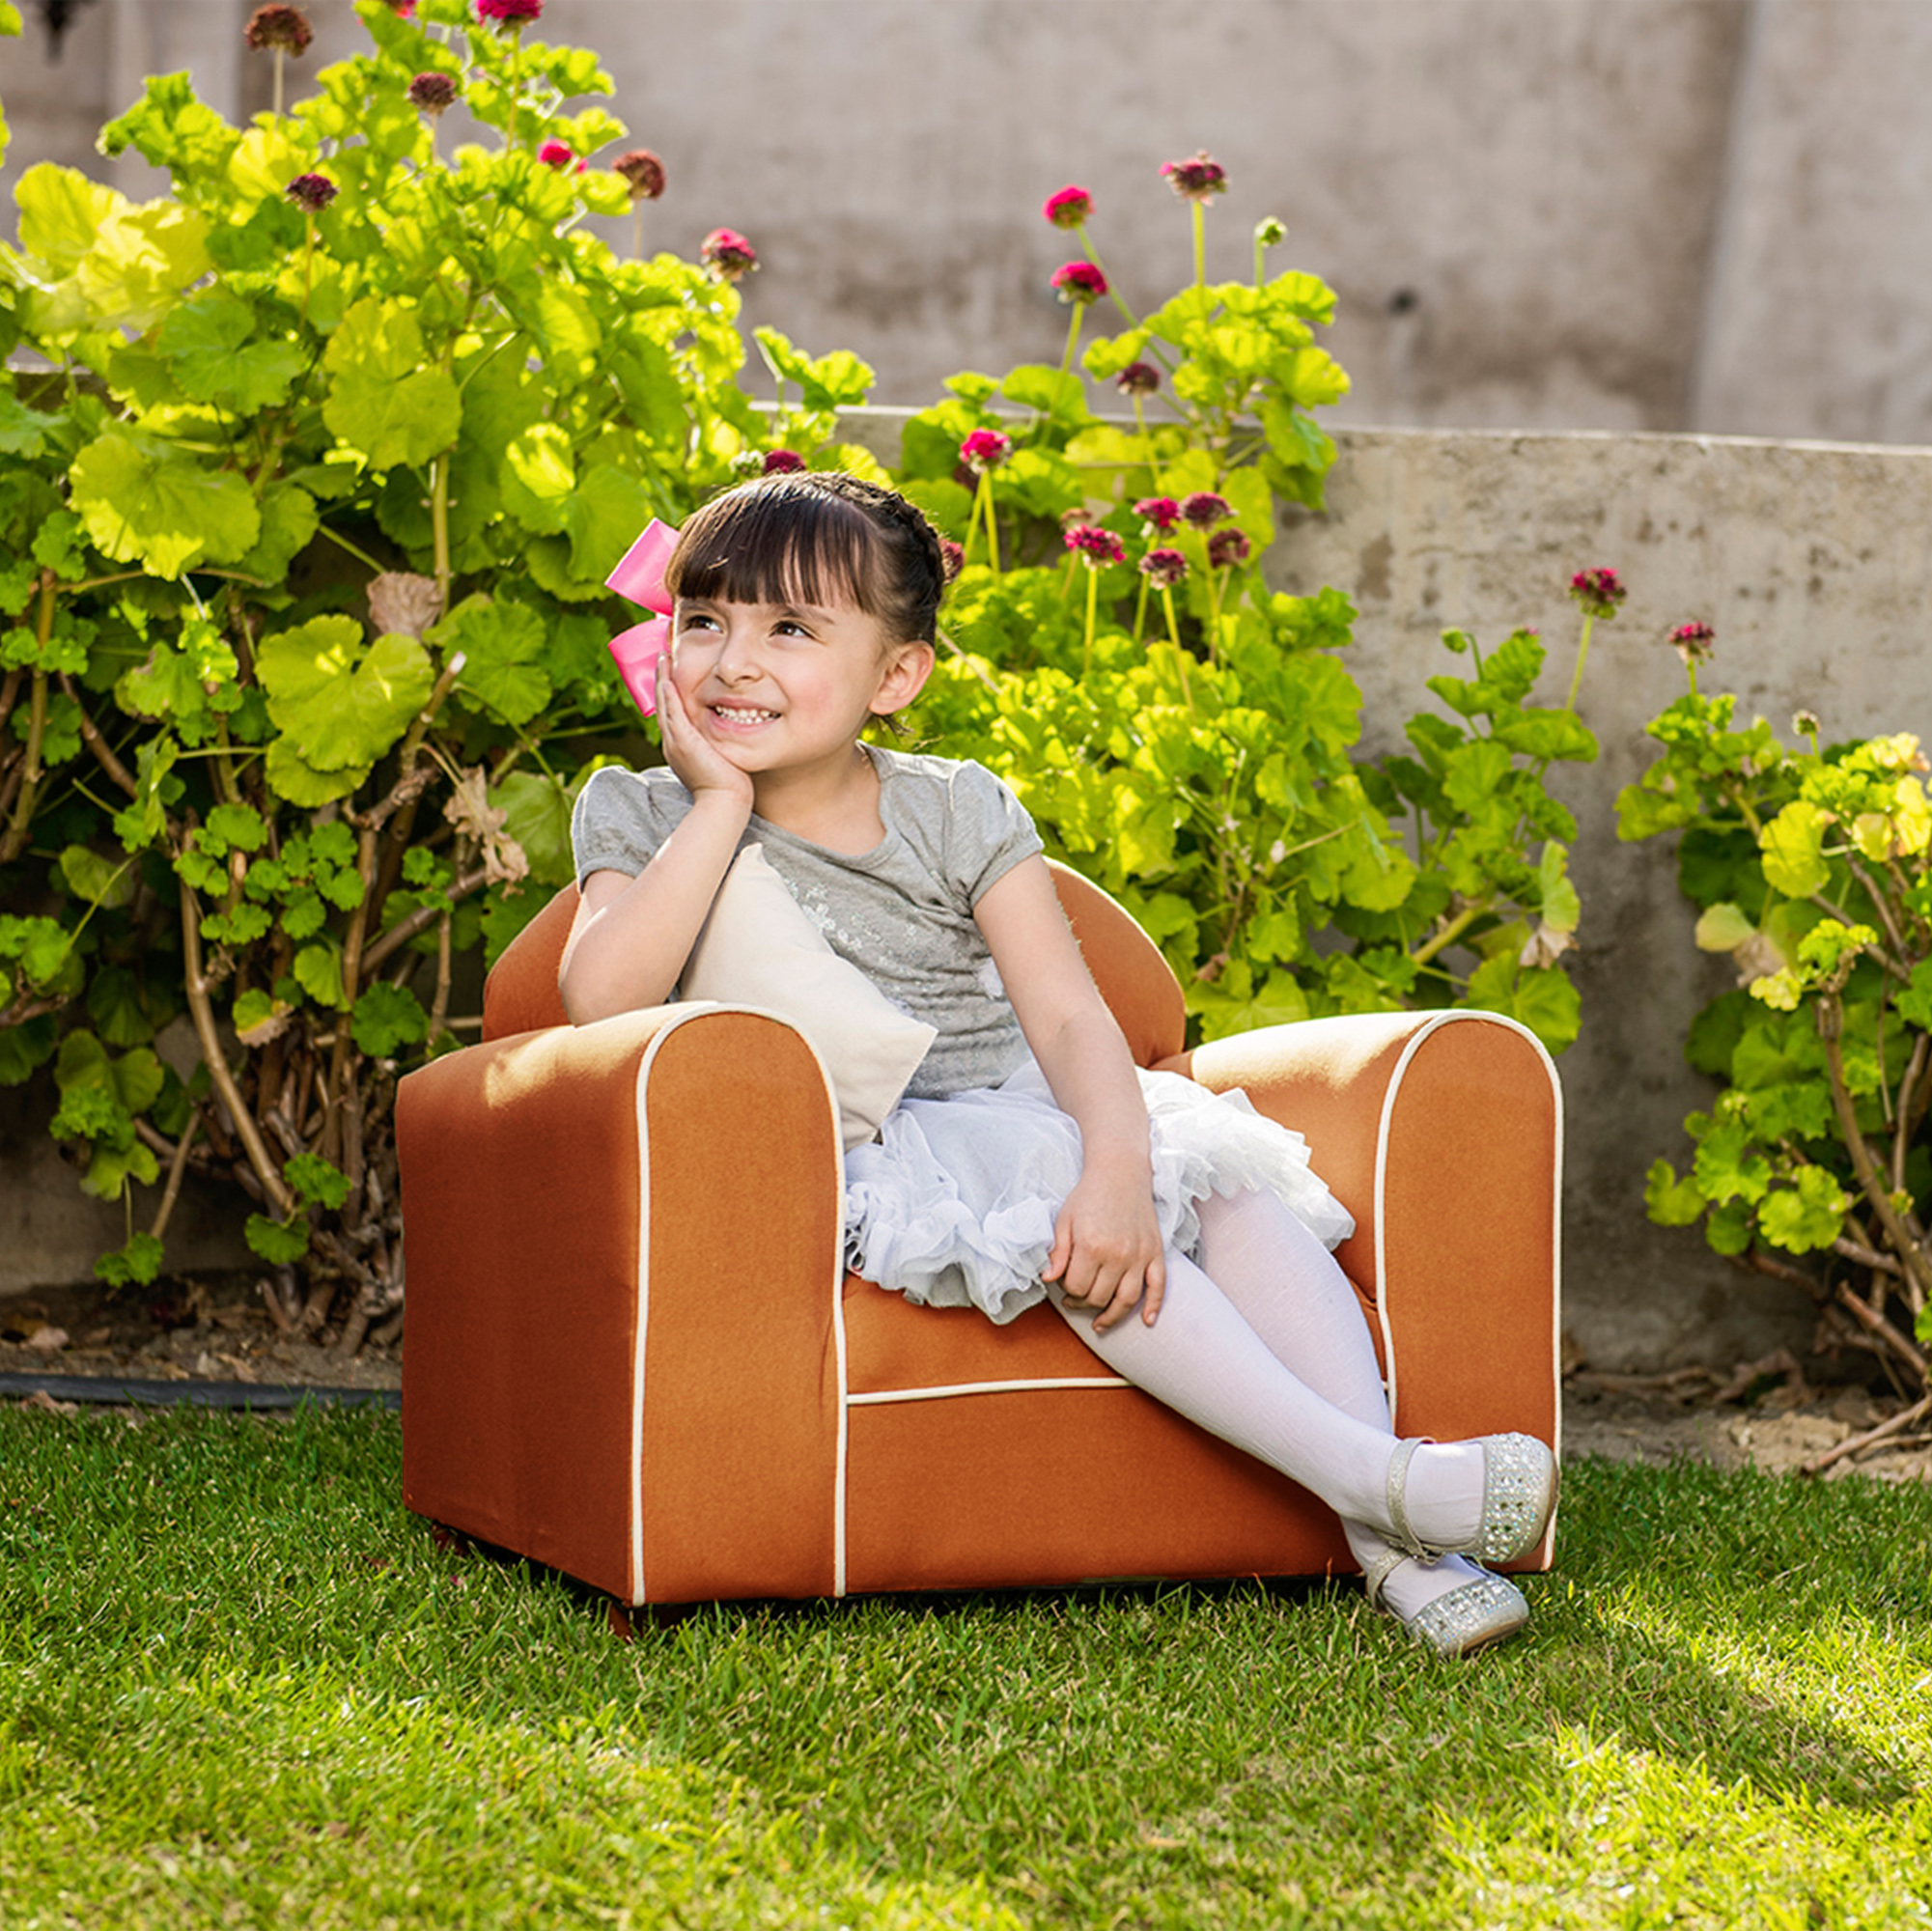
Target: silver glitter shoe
(1518, 1497)
(1460, 1621)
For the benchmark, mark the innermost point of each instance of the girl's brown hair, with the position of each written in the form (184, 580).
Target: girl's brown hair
(806, 535)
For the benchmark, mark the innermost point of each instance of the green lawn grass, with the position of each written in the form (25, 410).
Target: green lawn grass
(239, 1684)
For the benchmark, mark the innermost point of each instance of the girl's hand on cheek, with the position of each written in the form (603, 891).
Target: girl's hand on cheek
(1106, 1249)
(700, 767)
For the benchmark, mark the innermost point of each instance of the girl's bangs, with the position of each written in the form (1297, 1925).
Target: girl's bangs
(774, 546)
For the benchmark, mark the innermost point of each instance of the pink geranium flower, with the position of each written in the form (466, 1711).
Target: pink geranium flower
(509, 13)
(985, 449)
(644, 173)
(1202, 510)
(1163, 568)
(432, 93)
(1196, 179)
(1598, 591)
(727, 254)
(313, 192)
(782, 462)
(1069, 207)
(1095, 546)
(556, 154)
(1080, 282)
(1138, 378)
(1229, 546)
(1160, 514)
(1692, 643)
(278, 29)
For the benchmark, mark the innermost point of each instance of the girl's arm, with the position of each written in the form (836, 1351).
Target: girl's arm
(632, 935)
(1107, 1242)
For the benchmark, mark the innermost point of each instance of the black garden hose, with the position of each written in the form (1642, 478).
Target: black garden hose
(117, 1391)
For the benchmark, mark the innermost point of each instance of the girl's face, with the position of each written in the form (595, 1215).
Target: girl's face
(777, 687)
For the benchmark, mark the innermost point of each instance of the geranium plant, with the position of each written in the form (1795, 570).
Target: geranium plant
(1811, 869)
(1186, 735)
(307, 519)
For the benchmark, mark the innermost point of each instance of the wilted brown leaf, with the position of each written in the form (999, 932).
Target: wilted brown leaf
(472, 814)
(403, 603)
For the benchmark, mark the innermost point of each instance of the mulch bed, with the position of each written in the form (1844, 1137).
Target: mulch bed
(186, 1335)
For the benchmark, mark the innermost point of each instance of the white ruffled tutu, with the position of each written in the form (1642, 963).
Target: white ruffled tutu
(954, 1204)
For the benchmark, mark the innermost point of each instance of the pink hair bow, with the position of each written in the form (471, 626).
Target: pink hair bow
(640, 576)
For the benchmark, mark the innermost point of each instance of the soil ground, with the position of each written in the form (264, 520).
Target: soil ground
(218, 1329)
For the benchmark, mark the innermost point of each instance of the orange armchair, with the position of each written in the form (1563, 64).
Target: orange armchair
(635, 1354)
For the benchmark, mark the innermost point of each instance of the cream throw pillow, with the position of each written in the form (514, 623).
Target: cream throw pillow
(757, 949)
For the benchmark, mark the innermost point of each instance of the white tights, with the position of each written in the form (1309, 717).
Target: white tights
(1264, 1345)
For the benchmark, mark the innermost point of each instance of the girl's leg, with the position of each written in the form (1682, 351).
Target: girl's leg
(1204, 1361)
(1289, 1288)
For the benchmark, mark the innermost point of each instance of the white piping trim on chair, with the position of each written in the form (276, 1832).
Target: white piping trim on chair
(1408, 1052)
(699, 1009)
(879, 1397)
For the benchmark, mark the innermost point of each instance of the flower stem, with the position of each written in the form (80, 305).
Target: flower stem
(278, 83)
(1582, 652)
(1140, 611)
(1260, 261)
(1093, 604)
(638, 233)
(1067, 358)
(992, 522)
(1200, 245)
(1087, 248)
(439, 522)
(1146, 436)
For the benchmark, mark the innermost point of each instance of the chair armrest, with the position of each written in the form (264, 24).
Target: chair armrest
(1441, 1133)
(662, 1187)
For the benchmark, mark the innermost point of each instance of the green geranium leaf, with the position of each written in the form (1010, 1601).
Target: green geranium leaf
(387, 1018)
(205, 344)
(291, 777)
(342, 706)
(1561, 907)
(280, 1242)
(1669, 1201)
(1723, 928)
(24, 1049)
(23, 431)
(318, 971)
(538, 477)
(169, 127)
(1807, 1216)
(315, 1182)
(141, 262)
(537, 814)
(1794, 851)
(603, 519)
(61, 214)
(143, 500)
(135, 1265)
(382, 400)
(237, 825)
(288, 521)
(97, 879)
(501, 643)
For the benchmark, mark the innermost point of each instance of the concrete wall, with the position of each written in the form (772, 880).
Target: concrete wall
(1647, 214)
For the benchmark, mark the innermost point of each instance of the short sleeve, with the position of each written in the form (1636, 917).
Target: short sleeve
(988, 833)
(621, 819)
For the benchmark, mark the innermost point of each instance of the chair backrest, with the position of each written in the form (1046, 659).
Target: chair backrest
(1140, 990)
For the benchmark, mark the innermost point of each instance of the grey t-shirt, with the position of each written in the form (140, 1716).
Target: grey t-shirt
(901, 912)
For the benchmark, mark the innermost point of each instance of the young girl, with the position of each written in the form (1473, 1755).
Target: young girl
(1178, 1233)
